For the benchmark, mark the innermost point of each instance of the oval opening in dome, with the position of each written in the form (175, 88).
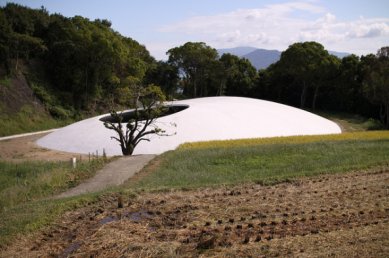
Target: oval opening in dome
(128, 115)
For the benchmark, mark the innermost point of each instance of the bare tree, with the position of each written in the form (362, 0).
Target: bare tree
(140, 121)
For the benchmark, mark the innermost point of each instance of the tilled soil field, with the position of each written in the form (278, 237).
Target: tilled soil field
(331, 215)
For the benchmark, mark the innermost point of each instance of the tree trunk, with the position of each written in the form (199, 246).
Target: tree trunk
(382, 114)
(194, 89)
(17, 60)
(86, 84)
(315, 97)
(7, 65)
(303, 95)
(127, 150)
(221, 88)
(387, 116)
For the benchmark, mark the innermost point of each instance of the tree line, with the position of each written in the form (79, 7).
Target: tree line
(73, 63)
(88, 66)
(306, 76)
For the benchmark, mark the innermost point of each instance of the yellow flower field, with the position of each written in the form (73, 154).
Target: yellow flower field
(350, 136)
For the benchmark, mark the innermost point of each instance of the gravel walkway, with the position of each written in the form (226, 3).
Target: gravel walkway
(113, 174)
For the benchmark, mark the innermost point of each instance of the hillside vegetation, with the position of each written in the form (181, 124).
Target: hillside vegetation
(54, 67)
(76, 68)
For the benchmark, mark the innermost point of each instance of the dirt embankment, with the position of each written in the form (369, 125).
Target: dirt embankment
(332, 215)
(16, 94)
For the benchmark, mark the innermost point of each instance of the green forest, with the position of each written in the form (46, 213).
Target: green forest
(77, 68)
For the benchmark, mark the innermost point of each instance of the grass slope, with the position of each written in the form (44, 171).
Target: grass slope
(267, 161)
(25, 189)
(28, 181)
(27, 120)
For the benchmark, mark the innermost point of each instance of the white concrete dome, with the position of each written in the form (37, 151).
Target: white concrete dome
(212, 118)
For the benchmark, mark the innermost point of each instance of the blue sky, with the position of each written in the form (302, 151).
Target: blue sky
(356, 26)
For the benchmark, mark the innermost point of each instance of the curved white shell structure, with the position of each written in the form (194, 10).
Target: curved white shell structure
(212, 118)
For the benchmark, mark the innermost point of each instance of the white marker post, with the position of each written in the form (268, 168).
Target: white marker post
(74, 162)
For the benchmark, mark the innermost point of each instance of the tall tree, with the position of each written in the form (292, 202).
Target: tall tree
(348, 85)
(376, 83)
(328, 72)
(193, 61)
(274, 84)
(217, 79)
(91, 61)
(240, 75)
(23, 45)
(5, 35)
(302, 61)
(21, 30)
(165, 75)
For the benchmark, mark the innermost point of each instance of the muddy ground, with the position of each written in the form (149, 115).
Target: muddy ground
(332, 215)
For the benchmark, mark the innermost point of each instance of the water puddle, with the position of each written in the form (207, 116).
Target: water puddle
(70, 249)
(152, 229)
(133, 216)
(108, 220)
(140, 215)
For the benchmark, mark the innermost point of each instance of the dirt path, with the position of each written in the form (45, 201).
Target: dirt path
(4, 138)
(113, 174)
(24, 148)
(326, 216)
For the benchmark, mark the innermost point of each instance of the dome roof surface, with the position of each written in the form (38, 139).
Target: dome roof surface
(211, 118)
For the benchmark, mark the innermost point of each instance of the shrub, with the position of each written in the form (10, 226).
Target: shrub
(373, 124)
(42, 94)
(59, 112)
(6, 82)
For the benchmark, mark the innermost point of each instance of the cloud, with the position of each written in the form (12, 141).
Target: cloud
(369, 29)
(277, 26)
(242, 19)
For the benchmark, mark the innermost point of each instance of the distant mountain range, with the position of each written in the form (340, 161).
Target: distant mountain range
(262, 58)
